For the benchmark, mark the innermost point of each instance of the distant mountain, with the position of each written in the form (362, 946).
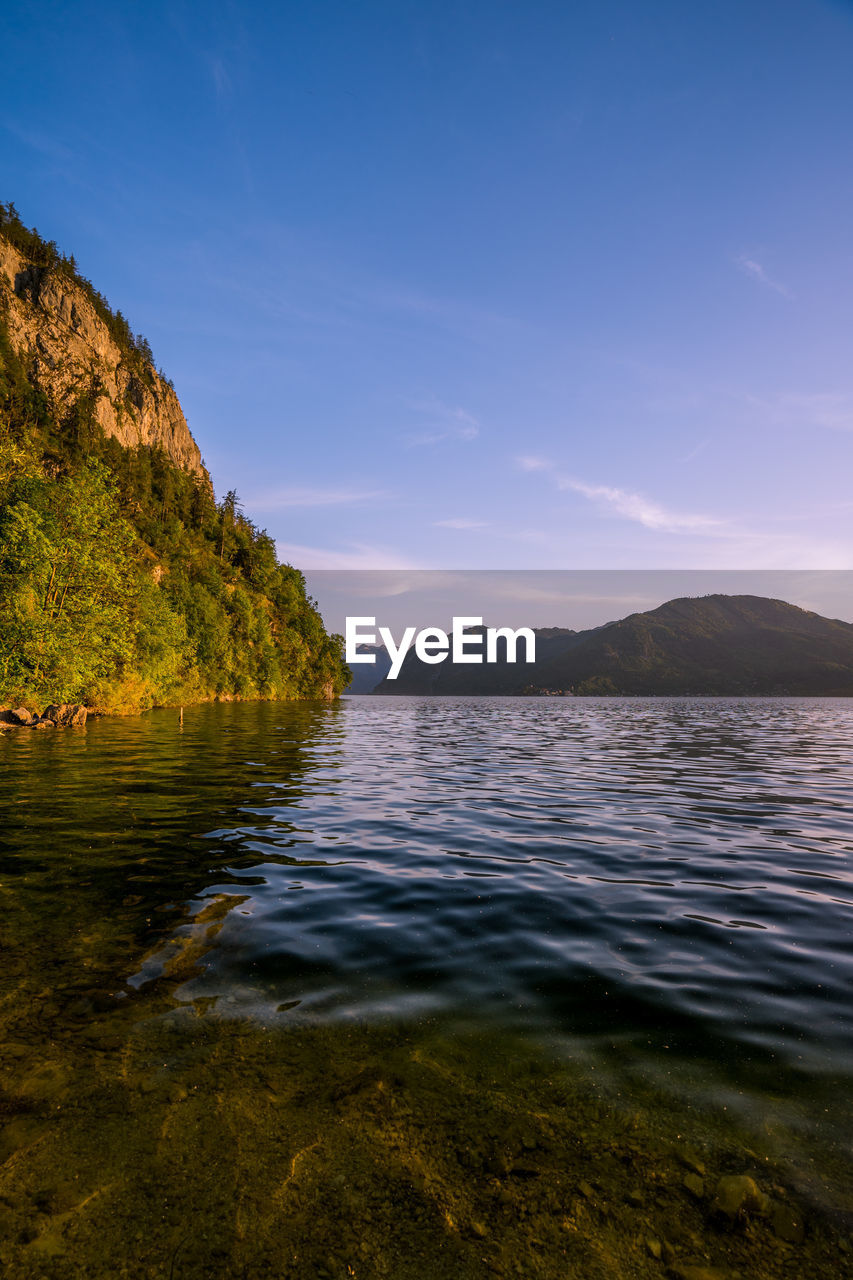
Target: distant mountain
(365, 675)
(478, 678)
(710, 645)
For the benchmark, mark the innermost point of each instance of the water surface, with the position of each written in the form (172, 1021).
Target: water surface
(422, 986)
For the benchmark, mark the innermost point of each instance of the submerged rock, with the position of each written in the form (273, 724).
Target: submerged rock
(691, 1160)
(694, 1184)
(788, 1224)
(738, 1194)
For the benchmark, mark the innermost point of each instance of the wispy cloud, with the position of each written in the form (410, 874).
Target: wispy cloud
(219, 75)
(443, 422)
(305, 496)
(461, 522)
(623, 502)
(750, 267)
(715, 543)
(635, 506)
(832, 410)
(41, 142)
(518, 587)
(530, 462)
(697, 449)
(357, 555)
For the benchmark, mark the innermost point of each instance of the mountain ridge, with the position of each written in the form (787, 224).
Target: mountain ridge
(717, 645)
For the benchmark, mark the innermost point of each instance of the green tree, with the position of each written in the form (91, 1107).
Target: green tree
(67, 578)
(122, 580)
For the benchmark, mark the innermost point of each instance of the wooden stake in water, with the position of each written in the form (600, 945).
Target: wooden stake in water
(181, 716)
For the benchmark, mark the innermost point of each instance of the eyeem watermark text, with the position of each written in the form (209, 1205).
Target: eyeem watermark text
(432, 644)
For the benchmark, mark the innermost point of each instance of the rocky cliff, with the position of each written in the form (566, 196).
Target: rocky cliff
(55, 329)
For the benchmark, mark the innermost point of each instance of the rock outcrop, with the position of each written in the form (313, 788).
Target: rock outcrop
(55, 329)
(18, 715)
(64, 715)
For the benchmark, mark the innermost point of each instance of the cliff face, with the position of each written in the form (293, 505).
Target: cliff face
(54, 328)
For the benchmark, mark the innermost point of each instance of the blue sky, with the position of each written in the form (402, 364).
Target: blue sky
(473, 285)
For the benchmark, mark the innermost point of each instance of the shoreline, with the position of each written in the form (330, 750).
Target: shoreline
(57, 715)
(75, 714)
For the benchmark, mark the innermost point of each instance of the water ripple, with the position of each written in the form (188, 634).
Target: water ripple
(694, 856)
(659, 868)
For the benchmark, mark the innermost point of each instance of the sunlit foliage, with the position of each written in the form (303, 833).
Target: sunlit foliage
(123, 581)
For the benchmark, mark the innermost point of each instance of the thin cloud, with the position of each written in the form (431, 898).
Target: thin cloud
(729, 544)
(622, 502)
(461, 522)
(738, 546)
(634, 506)
(220, 76)
(529, 462)
(516, 589)
(278, 499)
(697, 449)
(358, 555)
(447, 422)
(41, 142)
(827, 409)
(750, 267)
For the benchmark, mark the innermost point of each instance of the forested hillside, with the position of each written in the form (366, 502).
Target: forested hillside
(729, 646)
(123, 582)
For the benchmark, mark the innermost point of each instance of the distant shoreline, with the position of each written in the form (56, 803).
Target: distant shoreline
(580, 697)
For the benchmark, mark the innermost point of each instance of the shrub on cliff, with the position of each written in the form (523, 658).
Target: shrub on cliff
(124, 586)
(93, 611)
(75, 616)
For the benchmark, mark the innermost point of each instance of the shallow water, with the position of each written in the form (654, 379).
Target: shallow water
(422, 986)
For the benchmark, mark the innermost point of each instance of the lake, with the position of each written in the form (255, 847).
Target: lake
(429, 987)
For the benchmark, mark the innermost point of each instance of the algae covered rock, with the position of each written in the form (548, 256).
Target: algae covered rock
(788, 1224)
(738, 1194)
